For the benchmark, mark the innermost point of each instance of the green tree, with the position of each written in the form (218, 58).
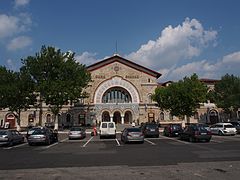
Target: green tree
(17, 92)
(181, 98)
(226, 93)
(58, 77)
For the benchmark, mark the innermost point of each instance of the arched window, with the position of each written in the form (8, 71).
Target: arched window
(116, 95)
(149, 98)
(196, 115)
(161, 116)
(48, 118)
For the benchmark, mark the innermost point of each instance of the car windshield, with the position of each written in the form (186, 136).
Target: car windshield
(152, 125)
(111, 125)
(134, 130)
(104, 125)
(3, 132)
(38, 131)
(76, 129)
(228, 126)
(201, 127)
(176, 126)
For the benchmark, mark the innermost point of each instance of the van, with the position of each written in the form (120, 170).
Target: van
(107, 129)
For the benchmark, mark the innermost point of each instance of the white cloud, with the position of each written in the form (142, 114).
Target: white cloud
(10, 25)
(228, 64)
(174, 44)
(11, 65)
(19, 3)
(19, 43)
(86, 58)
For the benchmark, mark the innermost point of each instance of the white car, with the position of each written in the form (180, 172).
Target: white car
(107, 129)
(223, 129)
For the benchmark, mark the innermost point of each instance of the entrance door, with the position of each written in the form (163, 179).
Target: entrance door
(11, 120)
(81, 119)
(128, 117)
(117, 117)
(105, 116)
(213, 117)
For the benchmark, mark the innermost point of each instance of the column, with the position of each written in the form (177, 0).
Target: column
(122, 119)
(111, 118)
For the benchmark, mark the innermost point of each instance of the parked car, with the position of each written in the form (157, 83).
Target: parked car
(223, 129)
(41, 135)
(150, 130)
(172, 130)
(236, 124)
(77, 133)
(132, 135)
(107, 129)
(10, 137)
(196, 132)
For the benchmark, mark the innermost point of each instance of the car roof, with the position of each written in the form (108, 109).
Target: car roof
(223, 124)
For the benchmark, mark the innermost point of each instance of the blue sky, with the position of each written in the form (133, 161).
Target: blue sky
(174, 37)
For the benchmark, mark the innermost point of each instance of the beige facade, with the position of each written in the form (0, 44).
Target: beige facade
(120, 91)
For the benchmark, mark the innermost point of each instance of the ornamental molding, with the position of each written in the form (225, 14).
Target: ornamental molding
(116, 82)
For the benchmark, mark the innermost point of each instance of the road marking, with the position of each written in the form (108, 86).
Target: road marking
(149, 142)
(51, 145)
(88, 142)
(118, 142)
(215, 141)
(16, 146)
(64, 140)
(8, 147)
(177, 140)
(20, 145)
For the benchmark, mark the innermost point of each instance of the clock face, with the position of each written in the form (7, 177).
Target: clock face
(116, 68)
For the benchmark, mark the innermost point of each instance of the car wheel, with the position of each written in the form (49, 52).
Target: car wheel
(220, 133)
(208, 140)
(10, 143)
(48, 142)
(30, 144)
(157, 136)
(191, 139)
(22, 141)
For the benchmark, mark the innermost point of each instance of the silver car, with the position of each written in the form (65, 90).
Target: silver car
(10, 137)
(132, 135)
(41, 135)
(76, 133)
(223, 129)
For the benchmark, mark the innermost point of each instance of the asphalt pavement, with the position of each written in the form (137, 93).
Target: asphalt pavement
(95, 158)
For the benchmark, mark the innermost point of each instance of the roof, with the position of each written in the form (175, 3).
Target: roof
(117, 58)
(210, 81)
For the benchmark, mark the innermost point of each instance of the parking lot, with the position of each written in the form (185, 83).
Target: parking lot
(94, 142)
(219, 158)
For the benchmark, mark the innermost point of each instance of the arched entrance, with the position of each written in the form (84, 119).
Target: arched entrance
(128, 117)
(213, 116)
(31, 119)
(10, 121)
(117, 117)
(105, 116)
(82, 118)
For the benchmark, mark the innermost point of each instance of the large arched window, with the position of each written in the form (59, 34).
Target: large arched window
(116, 95)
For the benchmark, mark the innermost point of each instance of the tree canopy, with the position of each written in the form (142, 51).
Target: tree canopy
(17, 91)
(226, 93)
(181, 98)
(59, 78)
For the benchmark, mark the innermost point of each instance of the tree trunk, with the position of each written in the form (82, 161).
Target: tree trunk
(56, 122)
(18, 120)
(184, 121)
(40, 111)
